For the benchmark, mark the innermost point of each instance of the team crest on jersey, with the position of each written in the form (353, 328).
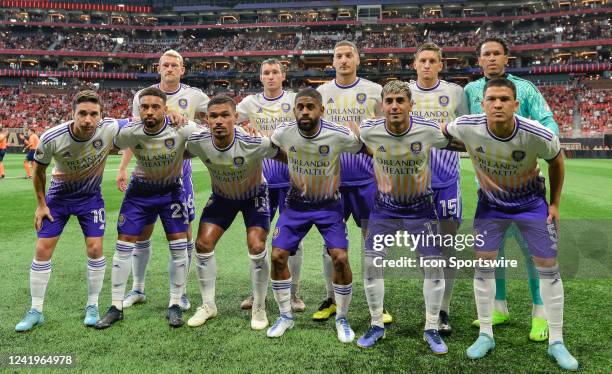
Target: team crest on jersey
(443, 100)
(121, 220)
(276, 233)
(518, 155)
(292, 149)
(330, 101)
(324, 150)
(285, 107)
(416, 147)
(382, 149)
(361, 97)
(97, 144)
(169, 143)
(182, 103)
(239, 161)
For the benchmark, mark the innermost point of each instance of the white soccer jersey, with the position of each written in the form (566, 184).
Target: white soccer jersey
(442, 103)
(265, 114)
(401, 162)
(159, 156)
(507, 169)
(348, 106)
(186, 100)
(79, 165)
(314, 162)
(236, 171)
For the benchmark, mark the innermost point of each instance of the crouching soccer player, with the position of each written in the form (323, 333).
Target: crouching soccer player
(234, 161)
(401, 144)
(313, 148)
(79, 148)
(155, 190)
(505, 148)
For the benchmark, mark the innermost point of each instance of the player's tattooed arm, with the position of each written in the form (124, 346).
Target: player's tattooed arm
(556, 174)
(42, 210)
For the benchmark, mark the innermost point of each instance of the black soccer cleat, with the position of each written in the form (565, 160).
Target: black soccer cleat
(175, 316)
(112, 315)
(444, 327)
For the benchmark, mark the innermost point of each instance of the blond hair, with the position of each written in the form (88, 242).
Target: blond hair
(172, 53)
(429, 47)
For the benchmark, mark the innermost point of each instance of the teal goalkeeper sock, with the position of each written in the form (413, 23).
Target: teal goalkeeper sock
(500, 274)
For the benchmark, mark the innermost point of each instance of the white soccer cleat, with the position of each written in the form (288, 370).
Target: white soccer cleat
(259, 319)
(282, 324)
(345, 332)
(134, 297)
(202, 314)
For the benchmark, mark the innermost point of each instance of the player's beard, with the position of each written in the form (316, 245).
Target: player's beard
(307, 126)
(151, 123)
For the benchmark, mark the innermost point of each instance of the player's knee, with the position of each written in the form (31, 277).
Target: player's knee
(279, 257)
(544, 262)
(256, 247)
(43, 252)
(486, 255)
(340, 259)
(94, 250)
(204, 245)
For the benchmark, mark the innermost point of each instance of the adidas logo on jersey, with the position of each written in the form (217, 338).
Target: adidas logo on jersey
(480, 150)
(330, 101)
(67, 154)
(381, 149)
(138, 146)
(292, 149)
(260, 110)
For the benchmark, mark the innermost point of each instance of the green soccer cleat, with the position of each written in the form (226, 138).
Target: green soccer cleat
(499, 318)
(326, 310)
(539, 329)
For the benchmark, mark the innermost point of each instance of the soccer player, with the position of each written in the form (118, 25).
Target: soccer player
(505, 148)
(30, 146)
(441, 101)
(79, 148)
(3, 138)
(234, 161)
(265, 111)
(348, 100)
(401, 145)
(313, 146)
(155, 189)
(191, 103)
(493, 57)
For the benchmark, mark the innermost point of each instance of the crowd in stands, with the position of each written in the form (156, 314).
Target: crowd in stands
(595, 107)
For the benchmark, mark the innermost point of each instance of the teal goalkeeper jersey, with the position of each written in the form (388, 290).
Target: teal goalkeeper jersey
(532, 103)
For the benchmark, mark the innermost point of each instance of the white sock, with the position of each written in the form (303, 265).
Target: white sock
(95, 278)
(260, 273)
(282, 294)
(140, 260)
(551, 290)
(433, 292)
(190, 248)
(121, 271)
(206, 267)
(178, 269)
(449, 280)
(374, 286)
(328, 271)
(295, 268)
(343, 295)
(484, 293)
(40, 272)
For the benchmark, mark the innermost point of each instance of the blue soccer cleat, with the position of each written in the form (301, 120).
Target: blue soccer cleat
(481, 347)
(91, 315)
(282, 324)
(32, 318)
(436, 344)
(371, 336)
(565, 359)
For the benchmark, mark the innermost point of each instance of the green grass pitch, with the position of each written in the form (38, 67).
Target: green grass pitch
(143, 342)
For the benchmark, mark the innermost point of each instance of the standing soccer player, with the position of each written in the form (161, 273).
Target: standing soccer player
(348, 100)
(234, 161)
(441, 101)
(313, 146)
(155, 189)
(505, 149)
(30, 146)
(191, 103)
(3, 138)
(265, 111)
(79, 148)
(401, 146)
(493, 57)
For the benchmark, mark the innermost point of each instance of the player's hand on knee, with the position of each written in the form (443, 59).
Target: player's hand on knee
(122, 180)
(40, 214)
(553, 215)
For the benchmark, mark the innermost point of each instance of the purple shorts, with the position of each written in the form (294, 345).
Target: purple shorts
(493, 223)
(88, 210)
(293, 225)
(358, 201)
(277, 200)
(222, 211)
(30, 156)
(383, 224)
(142, 208)
(448, 202)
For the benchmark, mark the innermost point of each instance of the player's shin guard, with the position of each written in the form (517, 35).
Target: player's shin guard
(484, 292)
(449, 279)
(295, 267)
(95, 278)
(343, 294)
(328, 271)
(121, 271)
(374, 286)
(206, 266)
(282, 294)
(40, 272)
(551, 289)
(260, 273)
(433, 292)
(178, 269)
(140, 260)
